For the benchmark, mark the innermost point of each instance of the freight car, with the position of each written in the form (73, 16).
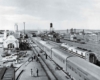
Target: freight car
(76, 67)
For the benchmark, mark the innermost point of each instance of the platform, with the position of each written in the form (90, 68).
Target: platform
(26, 75)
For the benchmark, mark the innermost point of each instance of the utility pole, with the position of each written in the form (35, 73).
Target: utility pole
(83, 33)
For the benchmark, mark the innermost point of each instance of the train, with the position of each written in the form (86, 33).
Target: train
(51, 36)
(76, 67)
(84, 53)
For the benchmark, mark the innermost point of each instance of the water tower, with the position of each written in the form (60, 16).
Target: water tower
(51, 27)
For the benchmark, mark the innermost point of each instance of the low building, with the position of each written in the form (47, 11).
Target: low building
(72, 36)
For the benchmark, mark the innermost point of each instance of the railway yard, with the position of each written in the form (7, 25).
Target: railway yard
(49, 39)
(50, 60)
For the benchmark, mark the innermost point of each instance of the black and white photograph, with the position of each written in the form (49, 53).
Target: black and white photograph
(49, 39)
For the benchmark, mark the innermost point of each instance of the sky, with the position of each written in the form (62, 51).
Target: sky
(38, 14)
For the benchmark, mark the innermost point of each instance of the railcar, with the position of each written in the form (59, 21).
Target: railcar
(86, 54)
(40, 43)
(60, 56)
(48, 49)
(80, 69)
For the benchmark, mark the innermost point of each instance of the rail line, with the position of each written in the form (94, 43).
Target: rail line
(7, 73)
(56, 44)
(67, 76)
(20, 69)
(50, 74)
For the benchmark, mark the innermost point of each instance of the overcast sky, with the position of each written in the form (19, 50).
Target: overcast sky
(38, 14)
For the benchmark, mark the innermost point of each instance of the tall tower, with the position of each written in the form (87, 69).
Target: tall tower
(16, 27)
(51, 27)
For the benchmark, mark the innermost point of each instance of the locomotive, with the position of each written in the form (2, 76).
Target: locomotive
(53, 36)
(76, 67)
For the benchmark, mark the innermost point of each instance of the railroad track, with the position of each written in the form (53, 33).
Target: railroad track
(19, 71)
(7, 73)
(42, 59)
(49, 73)
(45, 67)
(67, 76)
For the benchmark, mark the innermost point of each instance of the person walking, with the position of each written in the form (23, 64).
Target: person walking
(34, 57)
(37, 71)
(31, 72)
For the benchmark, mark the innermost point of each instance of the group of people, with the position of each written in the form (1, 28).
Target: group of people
(32, 58)
(37, 72)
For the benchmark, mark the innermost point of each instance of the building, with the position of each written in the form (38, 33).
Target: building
(10, 43)
(72, 36)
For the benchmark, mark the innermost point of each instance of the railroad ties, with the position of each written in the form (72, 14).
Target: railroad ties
(7, 73)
